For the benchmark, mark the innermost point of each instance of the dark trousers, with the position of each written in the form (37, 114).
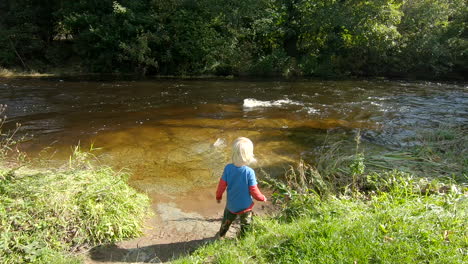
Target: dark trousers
(228, 218)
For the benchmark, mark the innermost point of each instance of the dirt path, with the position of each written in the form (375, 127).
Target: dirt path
(180, 225)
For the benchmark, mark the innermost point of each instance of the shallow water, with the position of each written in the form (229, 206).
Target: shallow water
(174, 135)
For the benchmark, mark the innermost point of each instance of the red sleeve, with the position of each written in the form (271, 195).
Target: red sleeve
(221, 188)
(256, 194)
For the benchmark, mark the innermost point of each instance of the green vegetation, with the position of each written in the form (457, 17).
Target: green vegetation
(420, 38)
(48, 214)
(413, 221)
(45, 214)
(440, 152)
(349, 210)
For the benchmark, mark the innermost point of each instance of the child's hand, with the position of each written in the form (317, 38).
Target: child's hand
(265, 199)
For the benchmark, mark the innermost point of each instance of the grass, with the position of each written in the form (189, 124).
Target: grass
(403, 220)
(440, 152)
(76, 71)
(48, 215)
(6, 73)
(352, 208)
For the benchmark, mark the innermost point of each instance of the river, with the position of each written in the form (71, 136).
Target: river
(175, 135)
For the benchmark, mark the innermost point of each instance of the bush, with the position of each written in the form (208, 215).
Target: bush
(271, 65)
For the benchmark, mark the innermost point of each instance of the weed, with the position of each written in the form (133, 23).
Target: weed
(8, 140)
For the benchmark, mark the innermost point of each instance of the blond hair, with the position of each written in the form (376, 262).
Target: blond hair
(242, 152)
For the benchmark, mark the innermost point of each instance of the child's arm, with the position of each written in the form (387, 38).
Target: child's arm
(221, 188)
(253, 188)
(257, 194)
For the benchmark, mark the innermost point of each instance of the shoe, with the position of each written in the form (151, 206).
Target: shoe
(218, 237)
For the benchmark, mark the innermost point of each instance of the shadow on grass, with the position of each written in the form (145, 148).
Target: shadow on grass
(150, 254)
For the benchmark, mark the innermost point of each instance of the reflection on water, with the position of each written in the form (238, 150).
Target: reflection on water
(177, 154)
(175, 135)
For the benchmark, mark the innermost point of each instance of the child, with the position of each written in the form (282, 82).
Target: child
(241, 187)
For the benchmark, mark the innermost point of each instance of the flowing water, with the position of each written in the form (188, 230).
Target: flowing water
(175, 135)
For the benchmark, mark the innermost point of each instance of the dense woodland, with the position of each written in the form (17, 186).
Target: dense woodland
(324, 38)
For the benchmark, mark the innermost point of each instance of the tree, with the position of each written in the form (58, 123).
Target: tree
(26, 32)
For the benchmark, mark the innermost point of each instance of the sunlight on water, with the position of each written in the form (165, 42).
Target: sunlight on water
(175, 136)
(178, 155)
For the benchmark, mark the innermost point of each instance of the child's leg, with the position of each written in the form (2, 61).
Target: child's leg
(228, 218)
(245, 222)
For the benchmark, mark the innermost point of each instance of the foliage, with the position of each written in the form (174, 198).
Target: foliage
(434, 36)
(46, 215)
(26, 32)
(422, 38)
(346, 36)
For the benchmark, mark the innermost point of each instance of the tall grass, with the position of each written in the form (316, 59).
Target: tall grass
(9, 73)
(50, 213)
(440, 152)
(8, 139)
(47, 215)
(5, 72)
